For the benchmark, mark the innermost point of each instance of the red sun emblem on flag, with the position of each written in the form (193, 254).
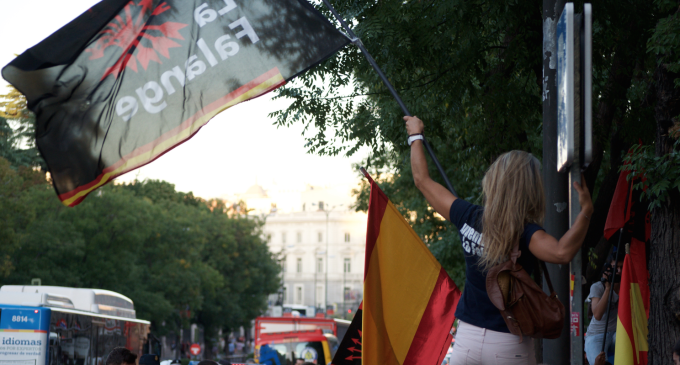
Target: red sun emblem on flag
(140, 41)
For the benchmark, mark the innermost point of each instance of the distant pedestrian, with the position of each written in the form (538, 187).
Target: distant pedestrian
(231, 347)
(599, 297)
(676, 353)
(121, 356)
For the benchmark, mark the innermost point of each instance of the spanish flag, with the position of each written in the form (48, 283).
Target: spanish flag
(631, 328)
(631, 331)
(409, 299)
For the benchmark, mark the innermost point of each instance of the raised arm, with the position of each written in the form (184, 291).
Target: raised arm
(599, 305)
(545, 247)
(438, 196)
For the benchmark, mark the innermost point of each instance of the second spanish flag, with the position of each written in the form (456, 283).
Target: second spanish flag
(409, 299)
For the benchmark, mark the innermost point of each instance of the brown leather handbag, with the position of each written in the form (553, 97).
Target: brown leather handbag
(526, 309)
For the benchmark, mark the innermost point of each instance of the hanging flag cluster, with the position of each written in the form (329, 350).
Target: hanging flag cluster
(409, 299)
(628, 213)
(128, 80)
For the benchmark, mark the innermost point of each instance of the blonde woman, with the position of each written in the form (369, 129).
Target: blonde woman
(513, 212)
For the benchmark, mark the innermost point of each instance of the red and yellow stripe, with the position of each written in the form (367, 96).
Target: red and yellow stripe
(631, 329)
(173, 138)
(409, 299)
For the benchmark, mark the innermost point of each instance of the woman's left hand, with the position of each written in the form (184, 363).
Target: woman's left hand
(414, 125)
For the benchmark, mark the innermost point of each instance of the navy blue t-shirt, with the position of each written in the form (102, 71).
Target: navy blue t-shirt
(475, 307)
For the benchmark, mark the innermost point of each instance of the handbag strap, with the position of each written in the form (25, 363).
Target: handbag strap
(516, 253)
(547, 276)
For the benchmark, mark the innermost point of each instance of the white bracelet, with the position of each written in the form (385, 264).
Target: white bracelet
(414, 137)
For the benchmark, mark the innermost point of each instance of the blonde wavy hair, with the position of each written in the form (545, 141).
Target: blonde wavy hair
(513, 197)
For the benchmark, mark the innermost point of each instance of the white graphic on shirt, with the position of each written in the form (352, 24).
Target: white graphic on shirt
(471, 240)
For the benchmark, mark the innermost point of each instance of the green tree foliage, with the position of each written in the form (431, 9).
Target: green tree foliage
(179, 258)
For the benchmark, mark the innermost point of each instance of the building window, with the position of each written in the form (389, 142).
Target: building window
(320, 237)
(283, 237)
(299, 265)
(319, 264)
(348, 265)
(303, 206)
(284, 265)
(299, 237)
(346, 236)
(320, 205)
(298, 295)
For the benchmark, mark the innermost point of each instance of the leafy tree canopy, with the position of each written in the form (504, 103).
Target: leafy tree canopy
(179, 258)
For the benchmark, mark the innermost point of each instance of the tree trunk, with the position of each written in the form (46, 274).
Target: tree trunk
(664, 258)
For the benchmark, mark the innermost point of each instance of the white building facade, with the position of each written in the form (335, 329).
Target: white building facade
(321, 247)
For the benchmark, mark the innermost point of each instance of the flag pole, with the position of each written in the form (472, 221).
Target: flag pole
(357, 42)
(616, 264)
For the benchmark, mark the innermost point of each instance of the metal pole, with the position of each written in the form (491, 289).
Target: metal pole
(344, 292)
(387, 83)
(576, 266)
(326, 285)
(556, 184)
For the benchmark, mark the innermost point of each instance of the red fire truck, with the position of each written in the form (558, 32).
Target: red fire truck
(311, 339)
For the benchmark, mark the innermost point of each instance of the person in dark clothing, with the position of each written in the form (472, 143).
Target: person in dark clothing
(514, 205)
(121, 356)
(149, 359)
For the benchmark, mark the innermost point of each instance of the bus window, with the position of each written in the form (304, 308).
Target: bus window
(71, 342)
(84, 340)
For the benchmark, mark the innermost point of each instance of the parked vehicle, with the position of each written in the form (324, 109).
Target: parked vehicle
(311, 339)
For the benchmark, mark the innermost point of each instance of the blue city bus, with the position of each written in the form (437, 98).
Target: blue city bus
(24, 333)
(42, 325)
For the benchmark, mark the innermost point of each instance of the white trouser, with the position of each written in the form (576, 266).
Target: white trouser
(475, 345)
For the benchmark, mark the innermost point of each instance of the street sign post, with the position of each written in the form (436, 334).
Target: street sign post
(574, 136)
(195, 349)
(565, 88)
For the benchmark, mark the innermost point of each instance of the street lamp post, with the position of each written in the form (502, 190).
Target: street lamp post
(344, 291)
(328, 212)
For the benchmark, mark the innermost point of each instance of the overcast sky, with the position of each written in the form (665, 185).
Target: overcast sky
(229, 154)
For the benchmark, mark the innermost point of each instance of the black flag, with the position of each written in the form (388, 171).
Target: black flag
(127, 81)
(349, 351)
